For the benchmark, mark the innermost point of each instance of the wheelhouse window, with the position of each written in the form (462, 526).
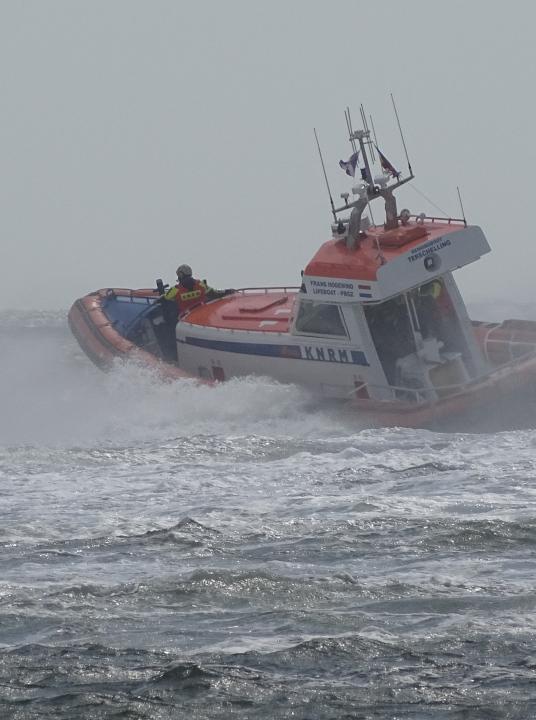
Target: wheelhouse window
(320, 319)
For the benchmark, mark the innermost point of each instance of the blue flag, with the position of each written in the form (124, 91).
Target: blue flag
(350, 165)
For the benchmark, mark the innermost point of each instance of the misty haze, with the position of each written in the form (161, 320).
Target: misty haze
(268, 429)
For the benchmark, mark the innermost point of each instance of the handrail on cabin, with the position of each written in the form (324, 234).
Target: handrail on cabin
(271, 288)
(446, 220)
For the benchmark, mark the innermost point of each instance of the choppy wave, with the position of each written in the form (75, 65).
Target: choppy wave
(171, 550)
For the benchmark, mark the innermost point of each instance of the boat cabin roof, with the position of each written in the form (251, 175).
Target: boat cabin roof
(385, 263)
(377, 248)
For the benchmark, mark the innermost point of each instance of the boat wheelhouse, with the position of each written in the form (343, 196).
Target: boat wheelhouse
(378, 312)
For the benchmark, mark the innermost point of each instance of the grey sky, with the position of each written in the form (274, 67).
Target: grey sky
(139, 135)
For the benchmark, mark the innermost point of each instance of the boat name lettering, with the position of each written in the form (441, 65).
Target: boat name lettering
(333, 283)
(332, 287)
(428, 248)
(338, 355)
(322, 291)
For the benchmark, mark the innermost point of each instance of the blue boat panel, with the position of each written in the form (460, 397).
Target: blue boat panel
(126, 312)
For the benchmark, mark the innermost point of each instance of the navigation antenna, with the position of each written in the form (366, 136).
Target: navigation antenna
(461, 206)
(381, 256)
(401, 135)
(349, 126)
(361, 136)
(363, 153)
(366, 129)
(373, 130)
(326, 178)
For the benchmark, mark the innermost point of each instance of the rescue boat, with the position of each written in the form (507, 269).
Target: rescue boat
(377, 320)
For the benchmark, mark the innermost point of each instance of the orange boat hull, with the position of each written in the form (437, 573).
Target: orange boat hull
(102, 342)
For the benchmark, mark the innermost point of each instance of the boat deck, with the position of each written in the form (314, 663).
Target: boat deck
(267, 310)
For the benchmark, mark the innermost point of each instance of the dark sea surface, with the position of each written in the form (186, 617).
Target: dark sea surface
(173, 551)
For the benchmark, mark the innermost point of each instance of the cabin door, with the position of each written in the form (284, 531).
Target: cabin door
(393, 334)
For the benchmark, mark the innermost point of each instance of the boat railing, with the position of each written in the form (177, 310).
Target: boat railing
(270, 289)
(433, 219)
(510, 344)
(424, 395)
(397, 392)
(129, 295)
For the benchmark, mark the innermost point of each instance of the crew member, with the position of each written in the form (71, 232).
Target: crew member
(436, 314)
(189, 292)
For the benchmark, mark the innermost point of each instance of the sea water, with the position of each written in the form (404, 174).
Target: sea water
(171, 551)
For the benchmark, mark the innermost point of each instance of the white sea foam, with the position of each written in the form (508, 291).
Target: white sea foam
(53, 395)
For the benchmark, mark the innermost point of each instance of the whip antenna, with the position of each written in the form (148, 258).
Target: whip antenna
(350, 131)
(325, 177)
(461, 206)
(373, 130)
(401, 135)
(367, 131)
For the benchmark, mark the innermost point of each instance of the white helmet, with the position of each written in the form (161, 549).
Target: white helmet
(183, 270)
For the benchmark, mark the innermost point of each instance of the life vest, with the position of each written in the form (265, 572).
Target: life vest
(436, 290)
(186, 298)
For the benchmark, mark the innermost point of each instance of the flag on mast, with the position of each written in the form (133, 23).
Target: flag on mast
(386, 165)
(350, 165)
